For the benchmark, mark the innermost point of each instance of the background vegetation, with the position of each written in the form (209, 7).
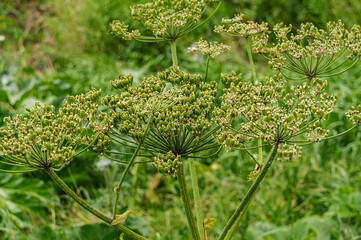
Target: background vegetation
(51, 49)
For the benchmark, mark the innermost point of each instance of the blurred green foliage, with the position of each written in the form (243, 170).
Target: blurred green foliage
(60, 47)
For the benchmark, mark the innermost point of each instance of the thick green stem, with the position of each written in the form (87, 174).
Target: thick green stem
(197, 198)
(187, 203)
(117, 189)
(260, 152)
(250, 57)
(89, 208)
(239, 211)
(236, 224)
(249, 51)
(207, 66)
(173, 48)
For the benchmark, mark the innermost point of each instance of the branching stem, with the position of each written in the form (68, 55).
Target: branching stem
(250, 57)
(173, 47)
(249, 51)
(226, 232)
(197, 198)
(131, 161)
(89, 208)
(207, 66)
(187, 204)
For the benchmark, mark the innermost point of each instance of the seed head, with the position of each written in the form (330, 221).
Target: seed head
(354, 115)
(178, 104)
(312, 52)
(268, 112)
(239, 27)
(209, 49)
(165, 19)
(46, 139)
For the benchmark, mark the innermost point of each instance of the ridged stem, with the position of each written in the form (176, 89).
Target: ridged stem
(226, 232)
(236, 224)
(207, 67)
(249, 51)
(250, 57)
(173, 48)
(197, 198)
(187, 203)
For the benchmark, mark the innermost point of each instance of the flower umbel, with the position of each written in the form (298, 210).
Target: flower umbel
(239, 27)
(313, 52)
(209, 49)
(267, 112)
(46, 139)
(165, 19)
(180, 121)
(121, 29)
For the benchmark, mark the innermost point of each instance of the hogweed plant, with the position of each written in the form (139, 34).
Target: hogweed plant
(177, 117)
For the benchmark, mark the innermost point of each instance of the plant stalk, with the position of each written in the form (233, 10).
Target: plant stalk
(117, 189)
(89, 208)
(250, 57)
(226, 232)
(236, 225)
(187, 203)
(249, 51)
(260, 151)
(207, 66)
(173, 47)
(197, 198)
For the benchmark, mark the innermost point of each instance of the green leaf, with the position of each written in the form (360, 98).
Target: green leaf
(23, 201)
(209, 223)
(267, 231)
(313, 227)
(4, 96)
(88, 231)
(119, 219)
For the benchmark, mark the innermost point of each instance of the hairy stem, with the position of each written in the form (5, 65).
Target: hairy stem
(226, 232)
(117, 189)
(173, 48)
(89, 208)
(187, 203)
(197, 198)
